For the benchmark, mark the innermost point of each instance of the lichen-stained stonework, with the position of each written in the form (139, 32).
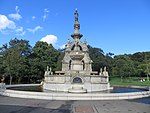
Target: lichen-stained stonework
(76, 75)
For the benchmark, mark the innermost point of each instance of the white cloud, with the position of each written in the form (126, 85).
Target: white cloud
(50, 39)
(15, 16)
(35, 29)
(33, 17)
(46, 12)
(8, 26)
(63, 46)
(20, 31)
(6, 23)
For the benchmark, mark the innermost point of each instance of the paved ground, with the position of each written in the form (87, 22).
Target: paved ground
(17, 105)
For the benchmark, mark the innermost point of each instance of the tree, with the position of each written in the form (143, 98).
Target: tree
(43, 55)
(110, 54)
(99, 59)
(123, 66)
(141, 62)
(144, 67)
(1, 61)
(59, 61)
(147, 63)
(15, 60)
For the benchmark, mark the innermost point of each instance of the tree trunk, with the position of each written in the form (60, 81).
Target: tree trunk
(19, 80)
(147, 77)
(10, 82)
(121, 78)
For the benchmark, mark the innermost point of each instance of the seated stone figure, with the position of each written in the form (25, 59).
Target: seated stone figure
(105, 73)
(47, 72)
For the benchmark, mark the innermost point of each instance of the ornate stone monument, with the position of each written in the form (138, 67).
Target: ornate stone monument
(76, 75)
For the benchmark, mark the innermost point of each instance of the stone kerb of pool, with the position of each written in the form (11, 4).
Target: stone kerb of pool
(72, 96)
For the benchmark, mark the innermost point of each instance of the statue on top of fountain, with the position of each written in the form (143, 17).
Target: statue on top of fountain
(76, 15)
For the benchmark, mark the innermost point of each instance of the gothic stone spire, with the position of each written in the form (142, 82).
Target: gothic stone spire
(76, 36)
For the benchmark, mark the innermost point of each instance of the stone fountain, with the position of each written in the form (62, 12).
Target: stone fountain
(76, 75)
(76, 78)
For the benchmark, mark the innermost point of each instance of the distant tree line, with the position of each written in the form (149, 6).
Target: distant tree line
(22, 63)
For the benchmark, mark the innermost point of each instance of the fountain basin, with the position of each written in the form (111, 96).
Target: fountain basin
(74, 96)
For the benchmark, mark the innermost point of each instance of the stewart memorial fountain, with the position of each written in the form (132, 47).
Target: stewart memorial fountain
(76, 74)
(76, 80)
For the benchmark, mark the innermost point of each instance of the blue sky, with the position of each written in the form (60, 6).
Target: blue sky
(117, 26)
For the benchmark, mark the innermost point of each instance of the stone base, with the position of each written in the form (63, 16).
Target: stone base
(66, 87)
(77, 88)
(82, 83)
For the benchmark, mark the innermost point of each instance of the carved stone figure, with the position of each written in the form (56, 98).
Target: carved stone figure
(68, 41)
(47, 72)
(76, 15)
(105, 73)
(100, 73)
(50, 69)
(85, 41)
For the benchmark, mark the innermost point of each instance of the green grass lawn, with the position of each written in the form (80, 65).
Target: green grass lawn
(131, 81)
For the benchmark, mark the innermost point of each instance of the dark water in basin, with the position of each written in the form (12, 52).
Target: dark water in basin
(126, 90)
(27, 88)
(39, 89)
(141, 100)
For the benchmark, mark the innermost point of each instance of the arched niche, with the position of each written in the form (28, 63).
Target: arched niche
(83, 65)
(73, 47)
(77, 80)
(70, 64)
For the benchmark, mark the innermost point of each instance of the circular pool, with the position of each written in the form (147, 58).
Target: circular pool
(35, 91)
(116, 89)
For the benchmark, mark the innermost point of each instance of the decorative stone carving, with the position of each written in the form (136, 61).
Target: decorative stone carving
(87, 79)
(95, 80)
(68, 79)
(76, 15)
(47, 72)
(85, 41)
(68, 40)
(76, 68)
(100, 73)
(105, 73)
(52, 78)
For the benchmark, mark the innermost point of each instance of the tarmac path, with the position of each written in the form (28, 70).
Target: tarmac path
(18, 105)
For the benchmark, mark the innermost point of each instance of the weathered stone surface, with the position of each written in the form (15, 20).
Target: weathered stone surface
(76, 68)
